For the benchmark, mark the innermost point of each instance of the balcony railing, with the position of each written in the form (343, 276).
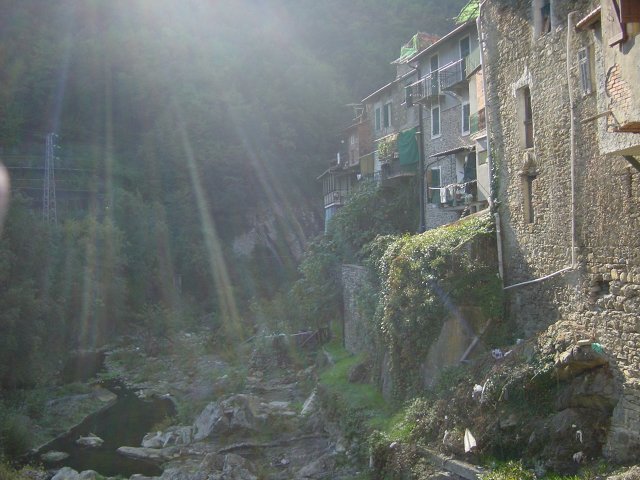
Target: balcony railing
(471, 62)
(453, 74)
(477, 121)
(455, 194)
(425, 88)
(336, 197)
(394, 169)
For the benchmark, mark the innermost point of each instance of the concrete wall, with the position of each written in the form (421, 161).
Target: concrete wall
(599, 295)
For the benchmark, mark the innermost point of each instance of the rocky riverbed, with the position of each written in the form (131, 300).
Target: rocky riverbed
(256, 420)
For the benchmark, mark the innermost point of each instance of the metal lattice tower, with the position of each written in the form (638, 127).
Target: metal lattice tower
(49, 213)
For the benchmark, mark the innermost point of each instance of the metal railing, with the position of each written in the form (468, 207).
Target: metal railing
(455, 194)
(472, 61)
(477, 121)
(452, 74)
(335, 197)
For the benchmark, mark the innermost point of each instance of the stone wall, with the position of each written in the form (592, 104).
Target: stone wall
(598, 295)
(357, 333)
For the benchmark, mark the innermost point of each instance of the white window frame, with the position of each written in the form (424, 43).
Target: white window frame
(435, 134)
(433, 193)
(468, 116)
(584, 67)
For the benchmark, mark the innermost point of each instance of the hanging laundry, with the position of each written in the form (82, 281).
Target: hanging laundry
(443, 195)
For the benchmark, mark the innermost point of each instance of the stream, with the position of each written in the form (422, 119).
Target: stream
(122, 424)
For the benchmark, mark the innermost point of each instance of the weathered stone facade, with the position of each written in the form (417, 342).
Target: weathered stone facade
(357, 328)
(567, 210)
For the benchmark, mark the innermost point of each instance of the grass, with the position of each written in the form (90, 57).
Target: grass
(365, 398)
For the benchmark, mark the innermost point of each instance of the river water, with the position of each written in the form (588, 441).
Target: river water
(122, 424)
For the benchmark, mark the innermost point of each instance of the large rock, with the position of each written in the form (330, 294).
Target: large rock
(237, 468)
(561, 436)
(91, 441)
(237, 413)
(157, 455)
(320, 468)
(578, 359)
(66, 473)
(172, 436)
(310, 404)
(593, 389)
(88, 475)
(53, 456)
(212, 421)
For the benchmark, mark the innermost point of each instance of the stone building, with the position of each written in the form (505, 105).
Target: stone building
(561, 99)
(344, 169)
(450, 91)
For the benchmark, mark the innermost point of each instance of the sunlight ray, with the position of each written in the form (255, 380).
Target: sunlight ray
(217, 264)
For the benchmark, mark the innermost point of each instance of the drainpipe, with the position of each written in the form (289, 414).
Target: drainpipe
(572, 146)
(492, 204)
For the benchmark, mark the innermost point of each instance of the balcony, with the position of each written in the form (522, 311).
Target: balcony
(455, 196)
(392, 172)
(453, 76)
(471, 62)
(336, 197)
(426, 88)
(477, 121)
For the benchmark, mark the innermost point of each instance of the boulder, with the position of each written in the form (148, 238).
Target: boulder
(172, 436)
(88, 475)
(66, 473)
(157, 455)
(359, 373)
(593, 389)
(237, 413)
(556, 439)
(320, 468)
(53, 456)
(238, 468)
(210, 422)
(310, 404)
(91, 441)
(578, 359)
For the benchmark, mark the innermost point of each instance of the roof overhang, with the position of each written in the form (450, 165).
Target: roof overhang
(387, 86)
(590, 19)
(466, 148)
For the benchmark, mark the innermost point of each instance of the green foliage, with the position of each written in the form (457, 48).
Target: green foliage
(358, 408)
(425, 279)
(15, 432)
(509, 471)
(315, 299)
(372, 211)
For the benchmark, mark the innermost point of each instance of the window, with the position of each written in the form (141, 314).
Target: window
(434, 183)
(525, 117)
(435, 121)
(378, 125)
(386, 115)
(408, 96)
(465, 50)
(352, 139)
(541, 17)
(585, 70)
(466, 115)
